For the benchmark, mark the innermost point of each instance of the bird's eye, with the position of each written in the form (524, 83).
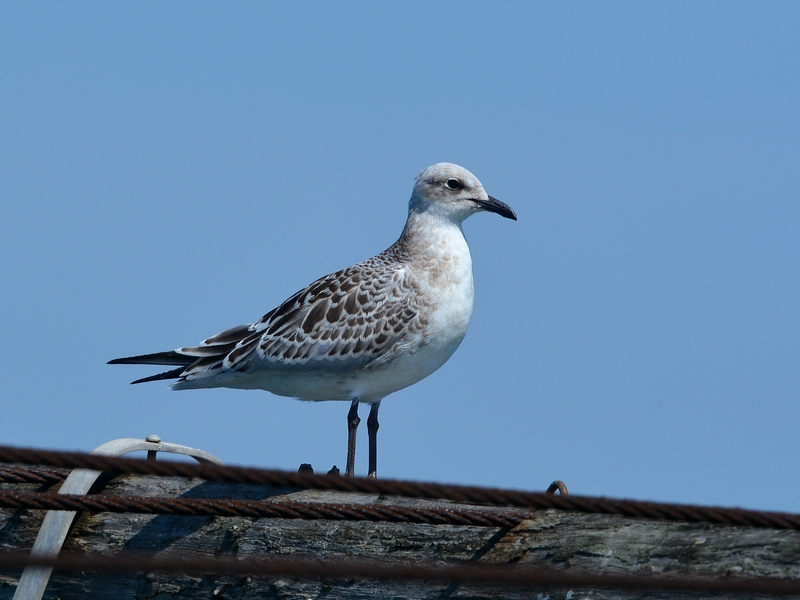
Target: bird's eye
(453, 184)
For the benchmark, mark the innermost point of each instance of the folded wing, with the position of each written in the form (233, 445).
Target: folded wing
(343, 321)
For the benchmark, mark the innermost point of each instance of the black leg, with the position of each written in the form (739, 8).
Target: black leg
(372, 429)
(352, 429)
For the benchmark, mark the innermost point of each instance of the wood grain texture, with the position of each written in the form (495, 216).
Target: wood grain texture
(552, 538)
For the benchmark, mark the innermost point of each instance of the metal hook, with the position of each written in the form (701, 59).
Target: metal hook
(559, 486)
(56, 523)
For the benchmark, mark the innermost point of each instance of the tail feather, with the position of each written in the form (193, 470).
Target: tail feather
(205, 358)
(173, 374)
(196, 352)
(229, 336)
(158, 358)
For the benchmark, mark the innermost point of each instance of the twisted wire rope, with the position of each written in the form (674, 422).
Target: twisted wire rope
(261, 509)
(31, 474)
(459, 493)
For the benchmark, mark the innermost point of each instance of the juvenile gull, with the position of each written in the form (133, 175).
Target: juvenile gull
(361, 333)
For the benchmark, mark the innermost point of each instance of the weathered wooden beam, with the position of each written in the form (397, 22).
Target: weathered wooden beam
(599, 543)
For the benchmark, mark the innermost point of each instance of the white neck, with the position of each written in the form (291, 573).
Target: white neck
(431, 234)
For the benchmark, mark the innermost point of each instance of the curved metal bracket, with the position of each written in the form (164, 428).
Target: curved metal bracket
(56, 523)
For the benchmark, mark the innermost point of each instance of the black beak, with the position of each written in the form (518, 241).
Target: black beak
(494, 205)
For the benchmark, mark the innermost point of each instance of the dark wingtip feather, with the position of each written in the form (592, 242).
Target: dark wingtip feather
(173, 374)
(158, 358)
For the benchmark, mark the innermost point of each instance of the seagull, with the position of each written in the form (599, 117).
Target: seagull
(361, 333)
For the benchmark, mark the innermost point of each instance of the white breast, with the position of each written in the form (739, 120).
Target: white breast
(443, 273)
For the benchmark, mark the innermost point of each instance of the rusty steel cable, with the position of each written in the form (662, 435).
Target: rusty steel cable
(444, 515)
(459, 493)
(464, 572)
(13, 474)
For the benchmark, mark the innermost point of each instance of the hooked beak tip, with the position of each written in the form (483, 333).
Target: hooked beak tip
(496, 206)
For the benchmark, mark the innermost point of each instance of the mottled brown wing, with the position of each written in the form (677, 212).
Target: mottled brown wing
(347, 320)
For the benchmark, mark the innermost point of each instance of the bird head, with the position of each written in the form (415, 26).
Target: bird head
(453, 193)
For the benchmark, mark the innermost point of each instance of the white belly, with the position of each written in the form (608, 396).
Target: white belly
(416, 358)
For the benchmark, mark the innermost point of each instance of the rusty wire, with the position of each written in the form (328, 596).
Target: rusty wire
(464, 572)
(13, 474)
(440, 515)
(459, 493)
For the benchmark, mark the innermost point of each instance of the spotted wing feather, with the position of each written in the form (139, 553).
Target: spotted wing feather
(346, 320)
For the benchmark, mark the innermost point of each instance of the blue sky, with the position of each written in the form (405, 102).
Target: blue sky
(171, 170)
